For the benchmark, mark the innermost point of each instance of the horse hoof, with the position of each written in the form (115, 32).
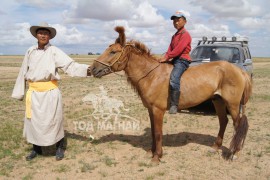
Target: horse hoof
(149, 154)
(155, 161)
(234, 157)
(213, 150)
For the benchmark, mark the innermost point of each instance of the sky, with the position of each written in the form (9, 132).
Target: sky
(85, 26)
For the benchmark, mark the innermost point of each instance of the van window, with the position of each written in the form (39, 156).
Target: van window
(247, 53)
(215, 53)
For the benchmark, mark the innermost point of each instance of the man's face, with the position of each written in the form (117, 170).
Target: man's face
(178, 23)
(43, 36)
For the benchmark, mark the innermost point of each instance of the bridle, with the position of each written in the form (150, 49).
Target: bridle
(108, 68)
(117, 59)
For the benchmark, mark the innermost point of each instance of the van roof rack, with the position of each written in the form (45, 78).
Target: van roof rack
(242, 40)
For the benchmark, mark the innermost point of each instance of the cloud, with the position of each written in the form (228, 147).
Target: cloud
(20, 34)
(140, 19)
(200, 30)
(68, 35)
(134, 16)
(15, 34)
(255, 23)
(228, 8)
(84, 26)
(145, 15)
(137, 13)
(197, 31)
(105, 10)
(2, 12)
(42, 4)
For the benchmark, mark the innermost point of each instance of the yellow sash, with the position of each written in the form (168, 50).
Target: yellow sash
(39, 87)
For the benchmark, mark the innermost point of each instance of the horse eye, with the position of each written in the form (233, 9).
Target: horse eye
(112, 52)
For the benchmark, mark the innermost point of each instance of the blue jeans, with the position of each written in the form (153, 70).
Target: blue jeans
(179, 67)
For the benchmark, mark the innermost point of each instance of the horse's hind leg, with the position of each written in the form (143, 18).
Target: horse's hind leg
(220, 107)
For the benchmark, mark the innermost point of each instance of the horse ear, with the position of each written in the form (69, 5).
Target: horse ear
(122, 37)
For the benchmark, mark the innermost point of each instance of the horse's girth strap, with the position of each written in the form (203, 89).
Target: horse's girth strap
(38, 87)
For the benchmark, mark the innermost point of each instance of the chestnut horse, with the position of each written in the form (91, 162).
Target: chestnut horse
(228, 86)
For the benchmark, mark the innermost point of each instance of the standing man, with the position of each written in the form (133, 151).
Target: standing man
(43, 123)
(178, 54)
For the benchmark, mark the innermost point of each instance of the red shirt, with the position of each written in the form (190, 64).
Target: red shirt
(180, 45)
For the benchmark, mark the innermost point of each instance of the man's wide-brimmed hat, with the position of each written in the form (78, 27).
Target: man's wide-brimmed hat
(43, 25)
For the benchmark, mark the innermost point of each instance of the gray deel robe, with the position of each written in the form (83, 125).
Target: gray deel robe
(45, 127)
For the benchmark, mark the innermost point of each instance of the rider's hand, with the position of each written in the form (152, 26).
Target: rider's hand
(162, 59)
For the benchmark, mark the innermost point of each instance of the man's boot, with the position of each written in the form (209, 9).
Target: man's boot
(60, 150)
(35, 151)
(174, 100)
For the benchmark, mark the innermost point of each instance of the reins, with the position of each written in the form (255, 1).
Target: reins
(109, 69)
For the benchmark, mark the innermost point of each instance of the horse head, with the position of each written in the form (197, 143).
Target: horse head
(113, 59)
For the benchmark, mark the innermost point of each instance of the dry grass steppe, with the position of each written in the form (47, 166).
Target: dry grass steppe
(121, 153)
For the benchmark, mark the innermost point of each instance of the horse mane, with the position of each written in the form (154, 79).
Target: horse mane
(139, 46)
(140, 49)
(135, 47)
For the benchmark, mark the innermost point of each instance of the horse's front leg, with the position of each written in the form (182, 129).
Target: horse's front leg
(153, 148)
(156, 128)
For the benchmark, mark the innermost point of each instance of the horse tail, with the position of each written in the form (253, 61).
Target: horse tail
(241, 128)
(240, 134)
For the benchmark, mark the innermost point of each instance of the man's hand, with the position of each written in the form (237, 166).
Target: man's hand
(162, 59)
(89, 71)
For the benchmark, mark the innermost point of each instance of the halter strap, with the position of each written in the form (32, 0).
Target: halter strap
(117, 59)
